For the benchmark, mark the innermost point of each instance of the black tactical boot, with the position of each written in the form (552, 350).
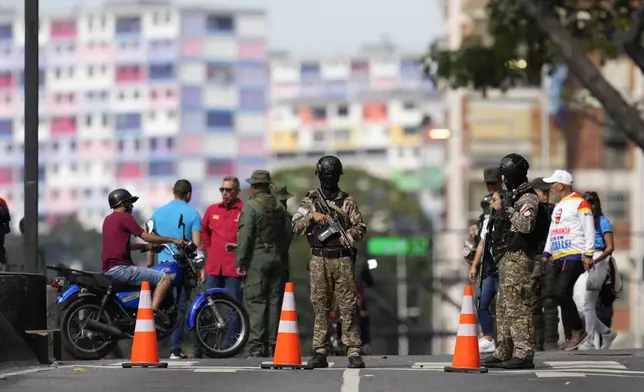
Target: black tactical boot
(491, 362)
(356, 362)
(517, 363)
(318, 361)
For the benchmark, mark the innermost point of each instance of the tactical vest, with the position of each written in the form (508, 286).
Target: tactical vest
(513, 241)
(270, 226)
(316, 229)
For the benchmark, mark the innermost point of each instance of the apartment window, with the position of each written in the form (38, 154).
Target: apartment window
(319, 113)
(161, 168)
(90, 70)
(409, 105)
(6, 31)
(342, 135)
(6, 127)
(161, 71)
(222, 74)
(121, 145)
(128, 121)
(105, 120)
(319, 136)
(137, 145)
(220, 23)
(161, 17)
(219, 118)
(343, 110)
(128, 25)
(410, 131)
(153, 144)
(616, 205)
(169, 143)
(88, 121)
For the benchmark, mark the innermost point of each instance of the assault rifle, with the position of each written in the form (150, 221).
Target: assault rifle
(335, 225)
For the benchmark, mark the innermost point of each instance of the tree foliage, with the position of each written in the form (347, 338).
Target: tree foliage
(491, 60)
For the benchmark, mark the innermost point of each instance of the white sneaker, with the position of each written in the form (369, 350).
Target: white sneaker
(608, 339)
(486, 346)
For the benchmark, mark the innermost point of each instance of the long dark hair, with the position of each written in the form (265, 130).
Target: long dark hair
(593, 199)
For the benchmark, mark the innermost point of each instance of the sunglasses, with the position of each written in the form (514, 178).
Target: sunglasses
(222, 190)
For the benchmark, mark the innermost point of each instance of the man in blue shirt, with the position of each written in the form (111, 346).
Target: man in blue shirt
(166, 220)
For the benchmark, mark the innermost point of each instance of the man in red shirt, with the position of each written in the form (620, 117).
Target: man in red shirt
(116, 259)
(219, 236)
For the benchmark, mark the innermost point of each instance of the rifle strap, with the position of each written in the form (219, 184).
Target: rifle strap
(332, 205)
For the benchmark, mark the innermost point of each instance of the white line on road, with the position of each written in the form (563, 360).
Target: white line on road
(430, 365)
(585, 364)
(558, 374)
(215, 370)
(350, 380)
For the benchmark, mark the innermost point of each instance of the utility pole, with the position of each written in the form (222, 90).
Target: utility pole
(545, 121)
(30, 172)
(639, 258)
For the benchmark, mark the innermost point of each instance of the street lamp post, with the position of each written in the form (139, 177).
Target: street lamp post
(30, 176)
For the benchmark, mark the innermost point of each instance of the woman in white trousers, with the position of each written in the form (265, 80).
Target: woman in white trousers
(586, 300)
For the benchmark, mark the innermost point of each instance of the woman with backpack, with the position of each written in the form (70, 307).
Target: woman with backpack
(592, 282)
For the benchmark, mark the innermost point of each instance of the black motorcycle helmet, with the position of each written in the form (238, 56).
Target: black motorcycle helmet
(328, 170)
(119, 196)
(514, 170)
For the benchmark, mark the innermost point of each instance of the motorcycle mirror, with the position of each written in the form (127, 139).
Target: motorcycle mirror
(373, 263)
(149, 226)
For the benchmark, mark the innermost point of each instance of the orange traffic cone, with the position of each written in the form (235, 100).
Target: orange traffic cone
(287, 348)
(145, 349)
(466, 353)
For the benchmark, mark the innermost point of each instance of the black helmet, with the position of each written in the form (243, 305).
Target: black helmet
(118, 196)
(514, 166)
(329, 169)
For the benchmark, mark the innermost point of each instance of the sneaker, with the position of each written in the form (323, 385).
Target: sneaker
(587, 344)
(486, 346)
(177, 354)
(576, 340)
(607, 339)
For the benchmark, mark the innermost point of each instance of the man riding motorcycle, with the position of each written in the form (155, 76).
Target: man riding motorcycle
(116, 259)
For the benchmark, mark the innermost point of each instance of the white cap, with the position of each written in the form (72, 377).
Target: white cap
(560, 176)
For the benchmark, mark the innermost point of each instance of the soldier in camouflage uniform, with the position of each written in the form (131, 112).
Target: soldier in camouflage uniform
(282, 195)
(515, 333)
(332, 262)
(544, 284)
(263, 238)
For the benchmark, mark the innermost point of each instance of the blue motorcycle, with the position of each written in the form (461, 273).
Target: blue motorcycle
(98, 312)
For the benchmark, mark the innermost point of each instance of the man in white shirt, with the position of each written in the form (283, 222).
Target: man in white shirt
(570, 243)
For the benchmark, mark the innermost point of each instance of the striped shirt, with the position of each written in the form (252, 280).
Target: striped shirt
(572, 230)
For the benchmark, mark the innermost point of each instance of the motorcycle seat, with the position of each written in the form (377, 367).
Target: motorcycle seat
(118, 287)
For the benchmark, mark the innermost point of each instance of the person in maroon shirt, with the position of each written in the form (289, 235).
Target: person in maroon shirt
(116, 258)
(219, 236)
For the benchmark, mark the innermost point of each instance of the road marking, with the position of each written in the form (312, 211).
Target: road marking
(36, 370)
(350, 380)
(551, 374)
(430, 365)
(585, 365)
(215, 370)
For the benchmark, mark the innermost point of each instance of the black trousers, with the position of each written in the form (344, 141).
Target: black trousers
(570, 271)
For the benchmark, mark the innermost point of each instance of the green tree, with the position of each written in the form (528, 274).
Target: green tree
(386, 211)
(525, 35)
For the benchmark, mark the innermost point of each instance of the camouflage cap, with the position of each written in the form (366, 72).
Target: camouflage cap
(539, 183)
(259, 177)
(492, 174)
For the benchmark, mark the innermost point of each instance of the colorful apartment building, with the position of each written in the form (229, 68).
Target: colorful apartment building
(135, 95)
(367, 109)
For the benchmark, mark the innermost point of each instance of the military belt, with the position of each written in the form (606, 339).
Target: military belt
(331, 253)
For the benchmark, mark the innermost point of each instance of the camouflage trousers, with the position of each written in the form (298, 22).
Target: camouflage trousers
(544, 303)
(329, 277)
(515, 330)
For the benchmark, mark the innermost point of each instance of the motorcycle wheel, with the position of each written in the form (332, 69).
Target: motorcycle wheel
(206, 312)
(71, 328)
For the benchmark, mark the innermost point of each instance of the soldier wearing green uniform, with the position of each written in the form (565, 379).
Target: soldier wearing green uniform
(332, 261)
(263, 239)
(544, 284)
(282, 195)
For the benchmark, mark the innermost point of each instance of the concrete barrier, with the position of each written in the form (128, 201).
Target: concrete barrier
(23, 307)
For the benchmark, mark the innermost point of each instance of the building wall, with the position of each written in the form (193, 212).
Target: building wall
(136, 96)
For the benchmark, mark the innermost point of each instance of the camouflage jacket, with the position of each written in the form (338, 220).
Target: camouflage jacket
(303, 217)
(523, 214)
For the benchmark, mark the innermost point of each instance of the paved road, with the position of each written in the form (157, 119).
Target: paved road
(614, 370)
